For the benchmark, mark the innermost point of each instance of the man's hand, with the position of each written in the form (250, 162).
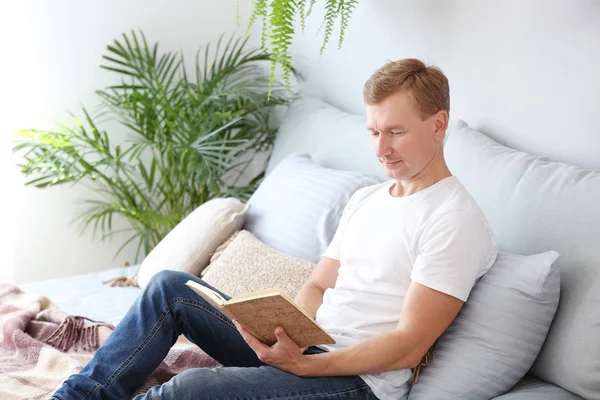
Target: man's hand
(285, 354)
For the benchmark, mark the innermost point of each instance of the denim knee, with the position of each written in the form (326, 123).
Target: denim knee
(165, 279)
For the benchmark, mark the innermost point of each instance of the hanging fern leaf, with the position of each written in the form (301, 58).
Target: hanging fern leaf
(312, 3)
(282, 26)
(331, 12)
(278, 27)
(301, 4)
(266, 32)
(347, 6)
(260, 10)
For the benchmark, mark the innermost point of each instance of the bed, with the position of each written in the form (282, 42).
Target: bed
(86, 295)
(533, 205)
(47, 343)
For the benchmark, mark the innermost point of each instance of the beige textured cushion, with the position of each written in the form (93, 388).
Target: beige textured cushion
(189, 245)
(247, 264)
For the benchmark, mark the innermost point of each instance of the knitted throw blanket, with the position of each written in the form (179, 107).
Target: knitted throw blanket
(40, 346)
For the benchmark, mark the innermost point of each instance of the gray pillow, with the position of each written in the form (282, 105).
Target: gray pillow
(534, 204)
(530, 388)
(297, 208)
(496, 337)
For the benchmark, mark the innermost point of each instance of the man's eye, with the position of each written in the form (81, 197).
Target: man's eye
(398, 133)
(374, 133)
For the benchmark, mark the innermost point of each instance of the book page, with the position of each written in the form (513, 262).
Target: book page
(260, 316)
(212, 297)
(255, 295)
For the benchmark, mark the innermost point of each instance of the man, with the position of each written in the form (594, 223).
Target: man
(400, 267)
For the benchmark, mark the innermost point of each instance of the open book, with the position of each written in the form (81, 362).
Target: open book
(261, 312)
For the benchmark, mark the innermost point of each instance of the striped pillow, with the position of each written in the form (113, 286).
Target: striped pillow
(296, 209)
(499, 332)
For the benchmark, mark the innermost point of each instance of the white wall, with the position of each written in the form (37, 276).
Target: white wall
(51, 53)
(7, 206)
(526, 72)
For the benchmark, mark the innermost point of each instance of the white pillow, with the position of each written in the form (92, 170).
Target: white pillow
(189, 245)
(499, 332)
(297, 208)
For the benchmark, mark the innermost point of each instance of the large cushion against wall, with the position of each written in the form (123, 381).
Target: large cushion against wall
(333, 138)
(534, 205)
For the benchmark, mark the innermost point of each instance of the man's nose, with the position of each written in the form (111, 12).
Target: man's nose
(383, 147)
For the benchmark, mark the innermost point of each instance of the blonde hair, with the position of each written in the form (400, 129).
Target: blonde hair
(426, 85)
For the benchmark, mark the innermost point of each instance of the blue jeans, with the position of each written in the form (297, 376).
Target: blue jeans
(166, 309)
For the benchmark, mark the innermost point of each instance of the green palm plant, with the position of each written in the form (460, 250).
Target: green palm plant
(189, 138)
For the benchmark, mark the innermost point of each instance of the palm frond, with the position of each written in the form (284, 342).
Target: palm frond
(177, 141)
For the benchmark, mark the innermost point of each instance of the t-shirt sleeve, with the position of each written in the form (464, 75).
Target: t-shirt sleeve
(454, 251)
(335, 247)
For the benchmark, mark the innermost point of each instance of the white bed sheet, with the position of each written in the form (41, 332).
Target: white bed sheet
(85, 294)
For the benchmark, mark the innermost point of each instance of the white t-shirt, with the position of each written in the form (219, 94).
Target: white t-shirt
(437, 237)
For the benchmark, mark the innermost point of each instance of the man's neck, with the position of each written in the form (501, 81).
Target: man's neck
(434, 172)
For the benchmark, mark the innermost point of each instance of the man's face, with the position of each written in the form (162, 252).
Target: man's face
(403, 142)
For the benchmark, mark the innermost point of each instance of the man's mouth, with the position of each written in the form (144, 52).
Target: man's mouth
(390, 163)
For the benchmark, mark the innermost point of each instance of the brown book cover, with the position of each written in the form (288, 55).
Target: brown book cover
(262, 311)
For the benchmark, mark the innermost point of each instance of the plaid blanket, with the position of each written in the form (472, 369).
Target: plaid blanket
(40, 346)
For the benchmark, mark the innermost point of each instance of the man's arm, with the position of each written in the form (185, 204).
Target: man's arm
(425, 315)
(310, 296)
(453, 252)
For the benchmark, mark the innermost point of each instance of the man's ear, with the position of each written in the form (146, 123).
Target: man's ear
(440, 121)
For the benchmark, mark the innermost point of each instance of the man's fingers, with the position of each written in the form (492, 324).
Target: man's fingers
(283, 338)
(281, 335)
(252, 341)
(280, 332)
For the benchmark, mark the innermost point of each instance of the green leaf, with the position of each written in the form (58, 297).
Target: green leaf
(301, 4)
(120, 71)
(347, 6)
(332, 10)
(312, 3)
